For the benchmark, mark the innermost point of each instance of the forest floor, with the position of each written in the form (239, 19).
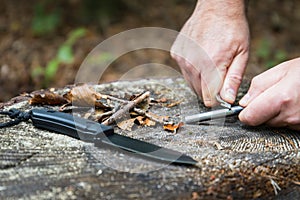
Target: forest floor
(274, 31)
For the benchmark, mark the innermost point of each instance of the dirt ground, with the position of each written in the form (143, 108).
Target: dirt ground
(274, 29)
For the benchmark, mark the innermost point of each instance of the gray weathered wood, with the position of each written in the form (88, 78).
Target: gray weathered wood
(235, 161)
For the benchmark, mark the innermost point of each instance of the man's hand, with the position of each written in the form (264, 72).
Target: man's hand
(274, 97)
(221, 30)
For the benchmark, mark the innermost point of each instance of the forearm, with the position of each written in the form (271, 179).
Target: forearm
(222, 34)
(230, 9)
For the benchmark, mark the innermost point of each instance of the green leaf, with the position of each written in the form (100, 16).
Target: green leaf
(51, 69)
(65, 54)
(75, 35)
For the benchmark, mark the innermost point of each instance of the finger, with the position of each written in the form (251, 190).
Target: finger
(234, 77)
(185, 72)
(192, 74)
(259, 110)
(212, 78)
(262, 82)
(211, 82)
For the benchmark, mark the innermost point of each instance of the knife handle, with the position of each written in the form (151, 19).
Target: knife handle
(70, 125)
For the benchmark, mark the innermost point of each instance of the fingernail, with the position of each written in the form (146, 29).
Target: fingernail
(230, 95)
(244, 100)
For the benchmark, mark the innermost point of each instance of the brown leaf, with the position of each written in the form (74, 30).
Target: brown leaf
(173, 127)
(84, 95)
(156, 117)
(139, 120)
(165, 102)
(149, 122)
(174, 104)
(48, 98)
(126, 124)
(162, 100)
(144, 121)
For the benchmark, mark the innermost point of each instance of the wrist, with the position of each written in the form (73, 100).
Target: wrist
(226, 8)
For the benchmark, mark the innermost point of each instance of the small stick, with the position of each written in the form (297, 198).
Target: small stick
(159, 119)
(126, 108)
(113, 98)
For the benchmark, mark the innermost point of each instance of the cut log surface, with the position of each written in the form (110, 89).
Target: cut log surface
(235, 161)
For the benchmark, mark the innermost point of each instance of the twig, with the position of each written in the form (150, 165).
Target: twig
(153, 117)
(98, 117)
(126, 108)
(105, 96)
(275, 186)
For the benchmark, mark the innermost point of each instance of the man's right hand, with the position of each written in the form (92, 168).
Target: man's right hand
(221, 30)
(274, 97)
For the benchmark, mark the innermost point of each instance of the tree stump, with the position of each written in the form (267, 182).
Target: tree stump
(235, 161)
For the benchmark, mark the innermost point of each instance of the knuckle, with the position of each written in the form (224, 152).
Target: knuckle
(285, 99)
(293, 120)
(256, 84)
(224, 60)
(235, 78)
(223, 68)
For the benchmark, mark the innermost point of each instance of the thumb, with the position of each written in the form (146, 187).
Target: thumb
(263, 82)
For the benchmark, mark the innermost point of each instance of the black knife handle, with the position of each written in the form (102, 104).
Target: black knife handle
(70, 125)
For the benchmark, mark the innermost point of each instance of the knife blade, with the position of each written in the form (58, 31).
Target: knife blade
(97, 133)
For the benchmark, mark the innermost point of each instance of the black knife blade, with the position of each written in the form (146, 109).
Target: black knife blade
(91, 131)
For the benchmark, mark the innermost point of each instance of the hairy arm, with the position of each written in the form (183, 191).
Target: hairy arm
(220, 29)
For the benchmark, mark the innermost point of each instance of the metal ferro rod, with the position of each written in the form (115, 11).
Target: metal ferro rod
(215, 114)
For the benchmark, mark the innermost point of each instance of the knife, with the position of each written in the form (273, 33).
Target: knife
(215, 114)
(97, 133)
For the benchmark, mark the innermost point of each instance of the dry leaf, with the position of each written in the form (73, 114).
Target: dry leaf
(161, 100)
(126, 124)
(84, 95)
(157, 118)
(173, 127)
(165, 102)
(145, 121)
(48, 98)
(149, 122)
(174, 104)
(139, 120)
(81, 95)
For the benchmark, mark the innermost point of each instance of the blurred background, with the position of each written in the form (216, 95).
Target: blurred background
(43, 42)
